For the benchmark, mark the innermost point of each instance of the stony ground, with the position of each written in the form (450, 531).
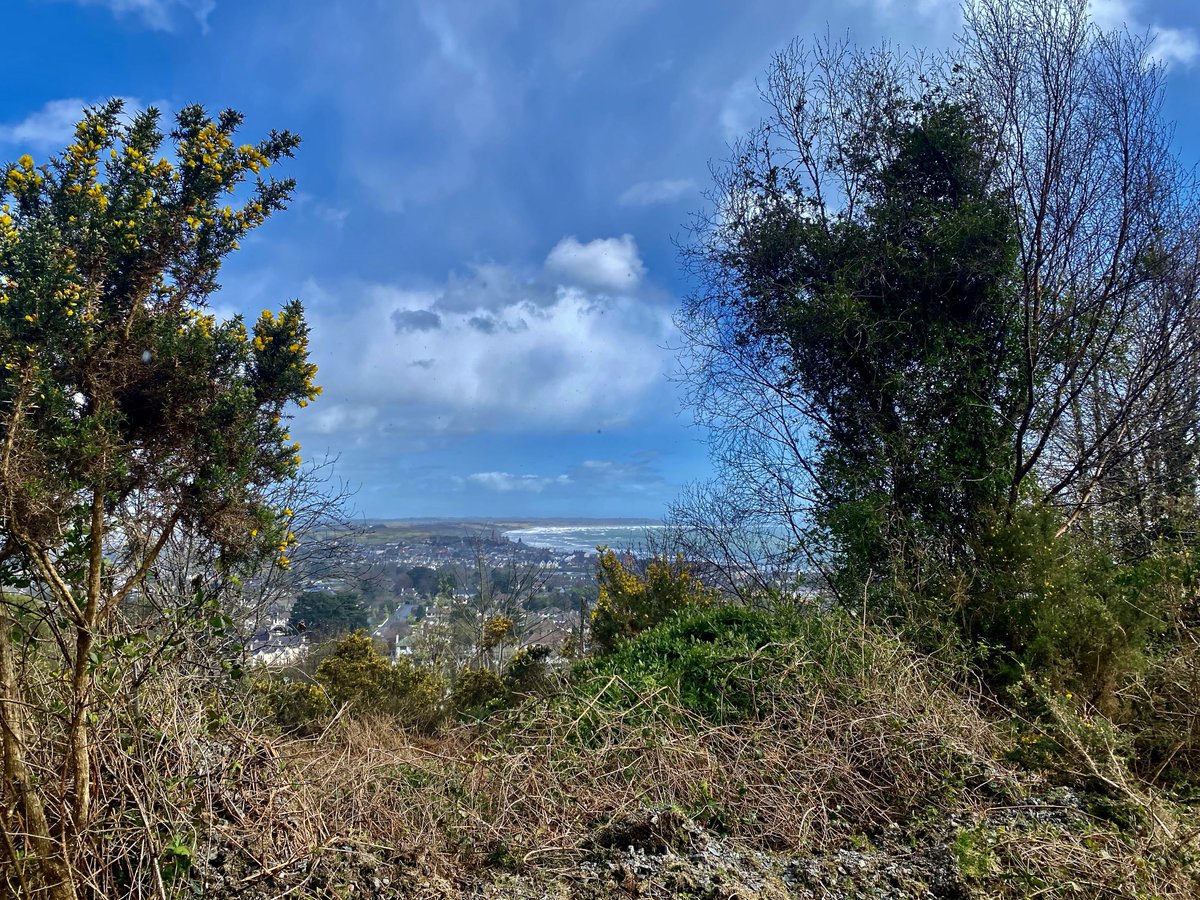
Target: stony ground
(999, 851)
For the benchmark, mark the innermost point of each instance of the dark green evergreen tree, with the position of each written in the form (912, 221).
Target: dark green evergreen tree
(328, 614)
(944, 337)
(898, 326)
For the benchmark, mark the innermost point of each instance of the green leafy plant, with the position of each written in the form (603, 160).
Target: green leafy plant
(297, 707)
(973, 851)
(714, 660)
(528, 671)
(630, 601)
(130, 417)
(477, 691)
(176, 860)
(358, 675)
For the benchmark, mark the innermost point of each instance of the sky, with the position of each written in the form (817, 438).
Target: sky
(490, 198)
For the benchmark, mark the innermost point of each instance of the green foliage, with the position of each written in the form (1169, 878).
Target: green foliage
(911, 376)
(725, 662)
(1163, 718)
(176, 860)
(424, 580)
(297, 707)
(527, 672)
(691, 652)
(899, 334)
(328, 614)
(1062, 606)
(114, 376)
(1119, 641)
(973, 851)
(358, 675)
(974, 432)
(477, 691)
(629, 603)
(132, 422)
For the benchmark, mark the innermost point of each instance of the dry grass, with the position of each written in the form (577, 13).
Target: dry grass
(817, 766)
(834, 752)
(829, 758)
(1080, 865)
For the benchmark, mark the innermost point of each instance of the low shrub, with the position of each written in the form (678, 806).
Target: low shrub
(528, 671)
(297, 707)
(726, 663)
(358, 675)
(477, 692)
(1063, 607)
(629, 601)
(781, 731)
(1165, 717)
(352, 673)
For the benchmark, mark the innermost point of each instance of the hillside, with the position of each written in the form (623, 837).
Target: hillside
(722, 754)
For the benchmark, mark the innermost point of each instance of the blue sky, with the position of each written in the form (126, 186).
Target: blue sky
(488, 197)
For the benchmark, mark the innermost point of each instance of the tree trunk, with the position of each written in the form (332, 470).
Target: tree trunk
(81, 683)
(47, 852)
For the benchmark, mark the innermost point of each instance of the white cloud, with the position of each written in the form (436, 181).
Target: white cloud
(488, 354)
(490, 286)
(1175, 45)
(606, 263)
(52, 127)
(333, 216)
(741, 110)
(637, 474)
(1169, 45)
(161, 15)
(506, 482)
(652, 193)
(327, 419)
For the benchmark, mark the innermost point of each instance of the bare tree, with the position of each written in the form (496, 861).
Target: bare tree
(1107, 229)
(1095, 340)
(189, 579)
(749, 549)
(478, 628)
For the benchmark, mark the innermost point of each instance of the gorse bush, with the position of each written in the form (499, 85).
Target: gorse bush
(528, 671)
(297, 707)
(132, 420)
(629, 601)
(477, 692)
(354, 674)
(706, 657)
(358, 675)
(1066, 607)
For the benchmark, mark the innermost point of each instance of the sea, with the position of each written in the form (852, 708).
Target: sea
(570, 538)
